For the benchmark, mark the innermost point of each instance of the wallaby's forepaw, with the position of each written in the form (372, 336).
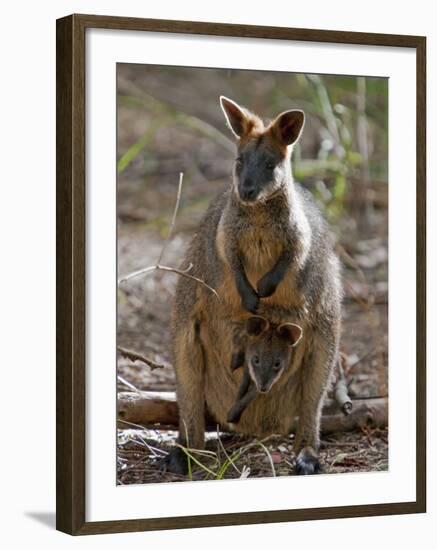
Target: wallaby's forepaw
(234, 415)
(250, 301)
(266, 287)
(237, 360)
(175, 462)
(307, 463)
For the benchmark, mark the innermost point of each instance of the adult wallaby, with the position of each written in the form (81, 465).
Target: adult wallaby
(263, 245)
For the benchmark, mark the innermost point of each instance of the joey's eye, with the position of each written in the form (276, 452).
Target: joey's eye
(270, 165)
(277, 365)
(255, 360)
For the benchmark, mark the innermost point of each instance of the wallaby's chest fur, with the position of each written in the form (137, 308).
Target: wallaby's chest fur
(261, 234)
(259, 251)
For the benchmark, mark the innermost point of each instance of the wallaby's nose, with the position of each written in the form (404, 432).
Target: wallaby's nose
(248, 192)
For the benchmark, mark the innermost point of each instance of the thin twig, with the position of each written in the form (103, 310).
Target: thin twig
(340, 391)
(369, 397)
(135, 356)
(158, 266)
(350, 260)
(269, 456)
(182, 273)
(173, 220)
(185, 274)
(226, 453)
(139, 440)
(132, 424)
(245, 473)
(151, 268)
(127, 384)
(362, 358)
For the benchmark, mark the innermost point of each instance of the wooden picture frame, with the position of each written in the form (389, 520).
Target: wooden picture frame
(71, 254)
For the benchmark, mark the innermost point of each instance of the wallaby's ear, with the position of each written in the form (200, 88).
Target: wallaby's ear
(235, 115)
(287, 126)
(256, 325)
(291, 333)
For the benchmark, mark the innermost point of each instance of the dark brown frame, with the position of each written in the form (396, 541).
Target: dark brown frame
(70, 298)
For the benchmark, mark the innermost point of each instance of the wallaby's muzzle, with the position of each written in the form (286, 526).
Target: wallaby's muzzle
(247, 192)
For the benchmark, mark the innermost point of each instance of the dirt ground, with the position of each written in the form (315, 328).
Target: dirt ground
(141, 450)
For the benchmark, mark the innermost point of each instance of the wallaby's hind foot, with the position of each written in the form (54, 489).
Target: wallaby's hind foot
(307, 462)
(175, 462)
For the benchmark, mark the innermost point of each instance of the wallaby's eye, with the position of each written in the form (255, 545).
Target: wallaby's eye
(270, 165)
(255, 360)
(277, 365)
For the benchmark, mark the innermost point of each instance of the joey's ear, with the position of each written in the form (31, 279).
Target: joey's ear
(287, 126)
(235, 115)
(291, 333)
(256, 325)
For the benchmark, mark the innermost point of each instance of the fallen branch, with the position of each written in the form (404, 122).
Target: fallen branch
(366, 413)
(135, 356)
(150, 408)
(147, 408)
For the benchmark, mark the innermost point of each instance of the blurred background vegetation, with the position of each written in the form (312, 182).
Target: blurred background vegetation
(169, 121)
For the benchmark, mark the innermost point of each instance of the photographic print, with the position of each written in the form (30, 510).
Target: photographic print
(252, 266)
(240, 274)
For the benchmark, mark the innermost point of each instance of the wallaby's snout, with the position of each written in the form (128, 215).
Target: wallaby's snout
(256, 175)
(266, 369)
(247, 191)
(269, 350)
(249, 183)
(269, 376)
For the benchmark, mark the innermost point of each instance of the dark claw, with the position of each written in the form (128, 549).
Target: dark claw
(250, 302)
(175, 462)
(234, 416)
(266, 287)
(307, 464)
